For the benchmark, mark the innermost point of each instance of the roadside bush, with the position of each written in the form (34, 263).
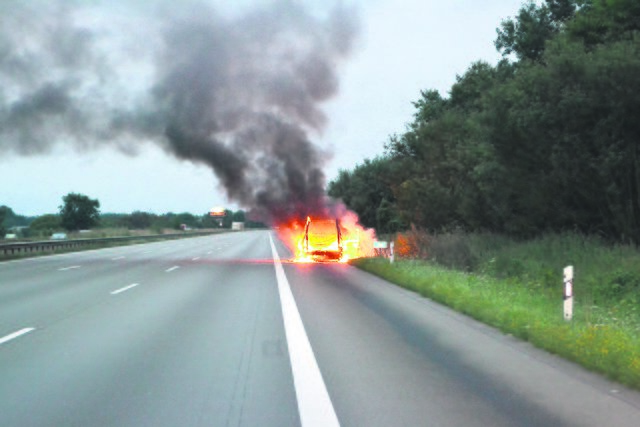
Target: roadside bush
(451, 250)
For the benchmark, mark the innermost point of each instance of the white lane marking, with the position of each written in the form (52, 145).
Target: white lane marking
(169, 270)
(69, 268)
(117, 258)
(209, 253)
(195, 259)
(314, 403)
(15, 335)
(126, 288)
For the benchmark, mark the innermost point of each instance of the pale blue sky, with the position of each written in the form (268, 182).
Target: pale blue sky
(404, 47)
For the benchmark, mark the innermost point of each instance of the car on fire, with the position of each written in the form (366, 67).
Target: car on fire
(322, 239)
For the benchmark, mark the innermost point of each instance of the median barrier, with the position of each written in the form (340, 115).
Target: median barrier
(52, 245)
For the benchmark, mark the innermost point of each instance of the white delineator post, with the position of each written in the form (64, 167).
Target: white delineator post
(568, 292)
(392, 256)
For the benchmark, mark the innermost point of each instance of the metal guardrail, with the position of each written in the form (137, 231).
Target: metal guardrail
(52, 245)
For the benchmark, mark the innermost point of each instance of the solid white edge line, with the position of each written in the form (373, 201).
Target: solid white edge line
(169, 270)
(314, 403)
(126, 288)
(15, 335)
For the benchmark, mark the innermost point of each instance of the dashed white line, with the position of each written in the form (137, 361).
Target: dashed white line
(314, 403)
(117, 258)
(195, 259)
(69, 268)
(126, 288)
(169, 270)
(209, 253)
(15, 335)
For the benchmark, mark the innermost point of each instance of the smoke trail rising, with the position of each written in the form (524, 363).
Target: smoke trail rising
(239, 94)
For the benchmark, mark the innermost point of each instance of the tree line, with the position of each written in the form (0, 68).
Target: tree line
(80, 212)
(546, 140)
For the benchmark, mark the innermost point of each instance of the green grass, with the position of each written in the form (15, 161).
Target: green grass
(517, 287)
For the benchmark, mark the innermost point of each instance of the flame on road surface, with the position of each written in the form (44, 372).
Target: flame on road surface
(323, 243)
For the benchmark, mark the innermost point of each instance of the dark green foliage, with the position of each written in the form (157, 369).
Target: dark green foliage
(139, 220)
(9, 219)
(186, 219)
(546, 143)
(228, 218)
(3, 215)
(79, 212)
(239, 216)
(367, 191)
(45, 225)
(526, 35)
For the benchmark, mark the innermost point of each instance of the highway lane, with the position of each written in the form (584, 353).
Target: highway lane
(192, 333)
(198, 345)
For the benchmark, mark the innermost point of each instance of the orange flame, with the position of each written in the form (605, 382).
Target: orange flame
(355, 241)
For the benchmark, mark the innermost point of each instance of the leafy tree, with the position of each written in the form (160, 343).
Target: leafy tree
(527, 34)
(185, 218)
(429, 107)
(79, 212)
(548, 143)
(227, 219)
(139, 220)
(3, 215)
(365, 189)
(11, 219)
(239, 216)
(208, 221)
(45, 224)
(602, 21)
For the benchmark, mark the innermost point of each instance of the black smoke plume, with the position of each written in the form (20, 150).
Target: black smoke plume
(240, 94)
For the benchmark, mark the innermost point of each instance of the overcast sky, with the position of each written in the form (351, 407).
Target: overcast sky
(402, 47)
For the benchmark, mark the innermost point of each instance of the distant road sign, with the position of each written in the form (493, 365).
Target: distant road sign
(217, 212)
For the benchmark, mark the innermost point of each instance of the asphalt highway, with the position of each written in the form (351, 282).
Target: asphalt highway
(223, 330)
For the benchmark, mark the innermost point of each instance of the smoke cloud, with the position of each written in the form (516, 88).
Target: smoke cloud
(240, 94)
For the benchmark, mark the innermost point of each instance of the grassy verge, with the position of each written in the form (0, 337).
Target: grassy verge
(529, 310)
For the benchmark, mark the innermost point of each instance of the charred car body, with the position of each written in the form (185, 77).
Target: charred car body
(322, 239)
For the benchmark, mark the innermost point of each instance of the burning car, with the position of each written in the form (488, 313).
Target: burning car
(322, 240)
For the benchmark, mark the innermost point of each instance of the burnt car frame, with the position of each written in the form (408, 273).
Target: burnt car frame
(322, 240)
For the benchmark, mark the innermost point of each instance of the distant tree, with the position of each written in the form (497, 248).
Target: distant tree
(3, 215)
(11, 219)
(208, 221)
(139, 220)
(228, 218)
(185, 218)
(79, 212)
(45, 224)
(114, 220)
(239, 216)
